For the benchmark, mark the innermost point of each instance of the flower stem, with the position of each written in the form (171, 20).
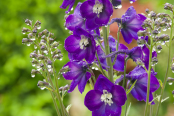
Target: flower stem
(107, 51)
(168, 65)
(149, 75)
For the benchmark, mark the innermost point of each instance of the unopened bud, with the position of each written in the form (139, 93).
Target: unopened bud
(50, 34)
(24, 30)
(147, 11)
(51, 40)
(37, 25)
(28, 22)
(55, 44)
(49, 62)
(65, 69)
(41, 65)
(159, 47)
(164, 37)
(43, 37)
(155, 32)
(33, 55)
(34, 31)
(43, 47)
(45, 31)
(34, 61)
(154, 60)
(33, 71)
(168, 6)
(170, 79)
(41, 57)
(152, 14)
(30, 35)
(142, 33)
(173, 92)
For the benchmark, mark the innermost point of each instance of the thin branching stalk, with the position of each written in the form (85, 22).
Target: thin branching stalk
(168, 66)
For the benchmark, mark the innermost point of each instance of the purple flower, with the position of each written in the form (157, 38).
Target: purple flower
(76, 19)
(81, 45)
(106, 99)
(66, 3)
(78, 73)
(97, 12)
(119, 64)
(139, 90)
(131, 24)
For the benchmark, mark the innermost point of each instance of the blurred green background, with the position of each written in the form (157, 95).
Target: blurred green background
(19, 94)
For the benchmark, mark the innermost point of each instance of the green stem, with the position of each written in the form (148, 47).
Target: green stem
(107, 51)
(149, 75)
(168, 66)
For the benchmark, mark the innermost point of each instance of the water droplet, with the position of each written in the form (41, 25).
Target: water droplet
(23, 33)
(131, 2)
(66, 28)
(164, 29)
(32, 75)
(162, 43)
(60, 59)
(96, 68)
(49, 66)
(28, 44)
(158, 51)
(35, 47)
(33, 65)
(170, 83)
(71, 8)
(42, 88)
(172, 71)
(106, 25)
(33, 39)
(45, 51)
(39, 27)
(118, 7)
(93, 67)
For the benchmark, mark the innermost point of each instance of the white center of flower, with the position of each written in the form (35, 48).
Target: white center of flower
(97, 8)
(83, 42)
(106, 97)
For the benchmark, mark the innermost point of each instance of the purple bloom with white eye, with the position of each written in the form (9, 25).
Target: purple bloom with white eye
(139, 90)
(81, 45)
(106, 99)
(66, 3)
(145, 57)
(119, 64)
(76, 19)
(78, 73)
(131, 24)
(97, 12)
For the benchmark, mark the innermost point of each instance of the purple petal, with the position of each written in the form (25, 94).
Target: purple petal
(93, 100)
(66, 3)
(73, 21)
(119, 64)
(87, 9)
(74, 84)
(72, 43)
(103, 83)
(119, 95)
(100, 111)
(83, 82)
(126, 35)
(75, 70)
(90, 24)
(113, 110)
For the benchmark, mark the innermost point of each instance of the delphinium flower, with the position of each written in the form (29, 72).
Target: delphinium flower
(66, 3)
(139, 91)
(97, 12)
(119, 63)
(81, 45)
(75, 19)
(130, 24)
(77, 71)
(106, 99)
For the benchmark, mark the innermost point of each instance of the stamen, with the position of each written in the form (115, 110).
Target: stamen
(97, 8)
(83, 42)
(106, 97)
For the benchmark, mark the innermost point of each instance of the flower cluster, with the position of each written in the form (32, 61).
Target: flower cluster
(90, 46)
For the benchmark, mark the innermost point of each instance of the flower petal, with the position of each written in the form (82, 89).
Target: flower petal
(93, 100)
(113, 110)
(83, 81)
(119, 95)
(103, 83)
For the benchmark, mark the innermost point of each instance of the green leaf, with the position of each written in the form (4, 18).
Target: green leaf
(128, 91)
